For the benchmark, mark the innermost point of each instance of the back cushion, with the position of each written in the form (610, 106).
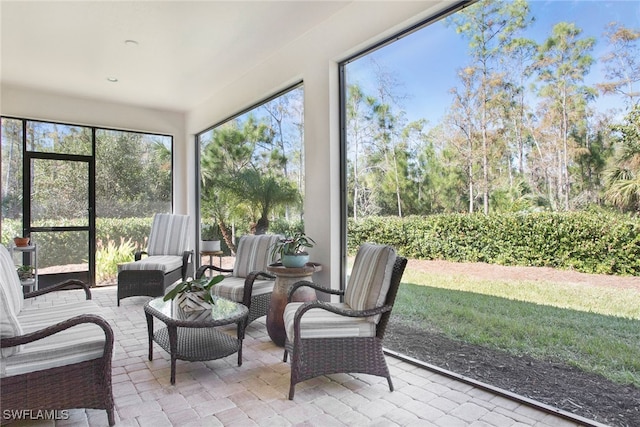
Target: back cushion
(370, 277)
(9, 325)
(10, 282)
(254, 253)
(11, 300)
(169, 235)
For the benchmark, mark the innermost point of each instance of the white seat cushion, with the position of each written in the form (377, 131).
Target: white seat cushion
(164, 263)
(233, 288)
(76, 344)
(319, 323)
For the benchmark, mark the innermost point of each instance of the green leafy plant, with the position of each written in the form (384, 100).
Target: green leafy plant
(210, 232)
(25, 271)
(195, 285)
(293, 245)
(109, 255)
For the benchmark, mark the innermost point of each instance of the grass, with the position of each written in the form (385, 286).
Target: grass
(594, 329)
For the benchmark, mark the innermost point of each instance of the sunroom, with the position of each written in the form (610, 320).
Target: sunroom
(174, 71)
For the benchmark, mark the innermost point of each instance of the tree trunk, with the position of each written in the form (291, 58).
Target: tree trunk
(228, 237)
(262, 226)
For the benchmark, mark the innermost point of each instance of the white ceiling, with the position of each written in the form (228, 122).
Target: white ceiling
(185, 50)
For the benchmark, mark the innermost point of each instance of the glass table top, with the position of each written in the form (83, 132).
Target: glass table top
(223, 311)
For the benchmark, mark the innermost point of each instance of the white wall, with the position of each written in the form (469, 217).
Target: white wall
(314, 59)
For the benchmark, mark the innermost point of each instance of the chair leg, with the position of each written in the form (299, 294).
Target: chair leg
(292, 390)
(390, 383)
(110, 417)
(286, 353)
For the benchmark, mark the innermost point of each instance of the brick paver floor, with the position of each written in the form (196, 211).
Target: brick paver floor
(219, 393)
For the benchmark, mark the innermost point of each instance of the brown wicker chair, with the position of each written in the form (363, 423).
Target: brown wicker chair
(53, 358)
(168, 259)
(248, 282)
(327, 338)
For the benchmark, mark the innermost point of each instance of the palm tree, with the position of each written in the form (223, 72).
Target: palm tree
(623, 177)
(264, 193)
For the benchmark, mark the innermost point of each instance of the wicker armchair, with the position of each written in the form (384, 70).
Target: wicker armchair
(327, 338)
(168, 259)
(248, 282)
(54, 357)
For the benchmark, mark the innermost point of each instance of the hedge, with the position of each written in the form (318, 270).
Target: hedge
(107, 229)
(590, 242)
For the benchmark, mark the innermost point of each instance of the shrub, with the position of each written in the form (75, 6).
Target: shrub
(64, 248)
(590, 242)
(109, 256)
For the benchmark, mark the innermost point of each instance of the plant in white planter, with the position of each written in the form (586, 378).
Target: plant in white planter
(210, 238)
(192, 295)
(25, 272)
(292, 251)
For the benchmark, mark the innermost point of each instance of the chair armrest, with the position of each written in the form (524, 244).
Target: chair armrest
(61, 326)
(200, 272)
(312, 285)
(62, 286)
(186, 271)
(337, 310)
(248, 284)
(137, 256)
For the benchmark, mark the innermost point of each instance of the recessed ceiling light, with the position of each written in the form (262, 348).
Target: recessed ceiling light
(131, 42)
(112, 79)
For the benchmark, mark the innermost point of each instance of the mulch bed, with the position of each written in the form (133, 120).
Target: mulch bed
(555, 384)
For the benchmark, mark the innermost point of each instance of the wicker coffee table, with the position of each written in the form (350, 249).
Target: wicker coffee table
(193, 336)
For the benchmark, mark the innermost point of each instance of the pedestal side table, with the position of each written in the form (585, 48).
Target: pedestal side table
(285, 277)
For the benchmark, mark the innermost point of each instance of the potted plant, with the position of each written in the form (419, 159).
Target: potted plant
(25, 272)
(194, 294)
(210, 238)
(292, 251)
(21, 241)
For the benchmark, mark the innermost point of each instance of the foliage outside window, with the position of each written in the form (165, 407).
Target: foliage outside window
(252, 168)
(133, 179)
(517, 108)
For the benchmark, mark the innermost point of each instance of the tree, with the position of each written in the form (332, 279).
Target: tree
(623, 176)
(463, 121)
(622, 65)
(240, 179)
(489, 26)
(562, 64)
(264, 192)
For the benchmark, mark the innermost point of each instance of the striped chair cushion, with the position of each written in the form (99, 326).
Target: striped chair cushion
(319, 323)
(9, 280)
(254, 253)
(76, 344)
(9, 324)
(233, 288)
(166, 264)
(11, 301)
(370, 277)
(169, 235)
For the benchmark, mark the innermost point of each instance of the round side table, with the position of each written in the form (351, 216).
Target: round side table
(211, 254)
(285, 277)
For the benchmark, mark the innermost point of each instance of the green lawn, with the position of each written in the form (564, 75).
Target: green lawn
(595, 329)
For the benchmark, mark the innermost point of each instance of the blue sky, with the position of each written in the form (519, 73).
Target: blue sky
(425, 62)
